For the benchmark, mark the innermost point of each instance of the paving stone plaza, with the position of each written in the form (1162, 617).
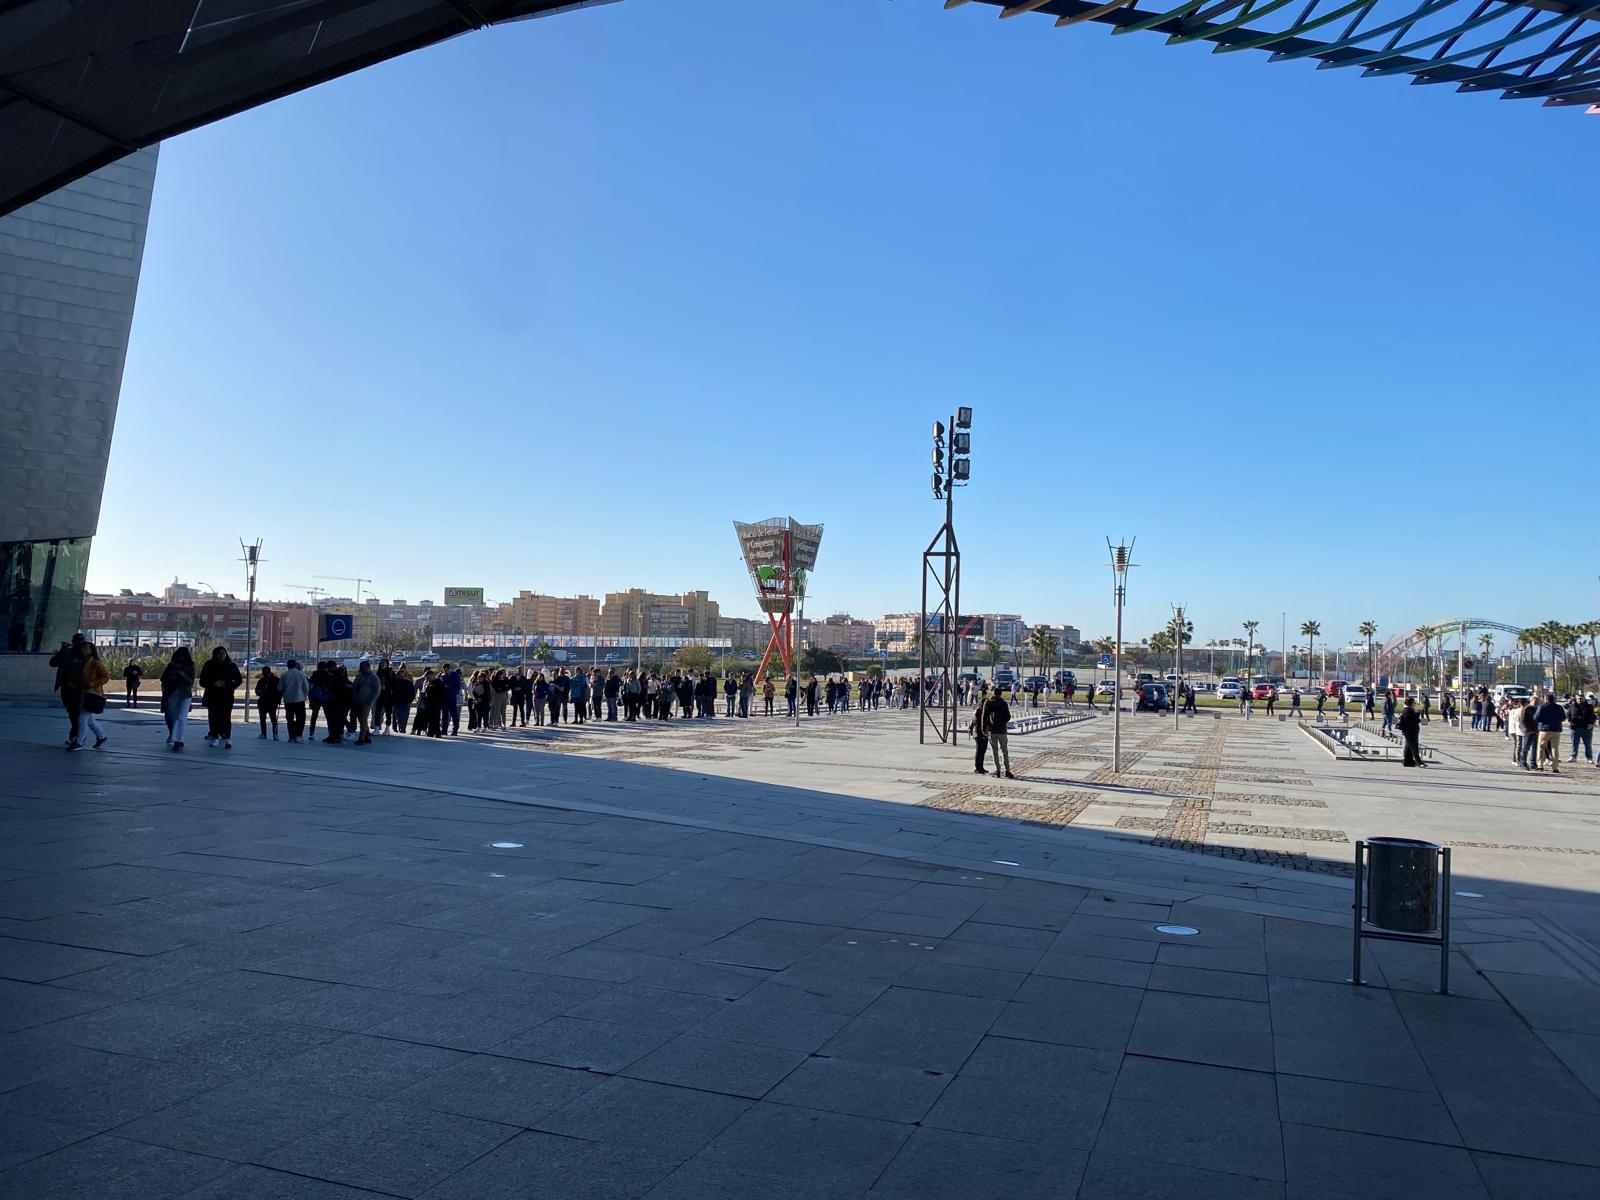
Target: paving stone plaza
(744, 959)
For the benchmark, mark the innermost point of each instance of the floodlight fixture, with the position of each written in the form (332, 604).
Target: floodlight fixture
(938, 431)
(938, 486)
(961, 443)
(961, 468)
(963, 418)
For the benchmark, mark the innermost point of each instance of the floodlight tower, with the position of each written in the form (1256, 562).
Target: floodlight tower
(941, 563)
(1121, 560)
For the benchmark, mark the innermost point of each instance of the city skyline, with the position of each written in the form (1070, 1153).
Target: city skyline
(643, 331)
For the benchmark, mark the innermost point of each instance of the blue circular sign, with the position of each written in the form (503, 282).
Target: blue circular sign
(339, 627)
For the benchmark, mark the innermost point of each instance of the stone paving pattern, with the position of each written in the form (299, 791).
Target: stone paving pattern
(309, 972)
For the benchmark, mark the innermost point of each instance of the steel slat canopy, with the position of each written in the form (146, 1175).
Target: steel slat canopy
(84, 82)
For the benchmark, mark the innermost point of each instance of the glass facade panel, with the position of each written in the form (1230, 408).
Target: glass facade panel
(41, 593)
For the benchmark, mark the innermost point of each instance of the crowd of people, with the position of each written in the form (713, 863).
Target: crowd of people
(384, 698)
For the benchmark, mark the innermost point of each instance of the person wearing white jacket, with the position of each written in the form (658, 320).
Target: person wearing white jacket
(296, 687)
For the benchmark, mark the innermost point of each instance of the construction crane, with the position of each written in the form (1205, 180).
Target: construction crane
(315, 591)
(355, 579)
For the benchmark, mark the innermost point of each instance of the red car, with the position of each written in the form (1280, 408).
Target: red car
(1335, 686)
(1262, 691)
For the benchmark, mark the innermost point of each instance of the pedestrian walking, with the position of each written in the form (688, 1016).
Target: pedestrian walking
(68, 662)
(980, 735)
(177, 694)
(219, 679)
(95, 678)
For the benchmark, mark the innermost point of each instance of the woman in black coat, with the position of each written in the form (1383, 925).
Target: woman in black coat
(219, 679)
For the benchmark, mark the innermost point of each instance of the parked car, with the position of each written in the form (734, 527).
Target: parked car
(1262, 691)
(1153, 697)
(1335, 686)
(1105, 688)
(1513, 691)
(1355, 694)
(427, 656)
(1036, 683)
(488, 658)
(1230, 689)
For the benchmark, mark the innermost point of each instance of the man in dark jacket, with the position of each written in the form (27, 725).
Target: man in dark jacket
(613, 689)
(1410, 726)
(1549, 718)
(980, 736)
(132, 676)
(68, 662)
(996, 717)
(1580, 717)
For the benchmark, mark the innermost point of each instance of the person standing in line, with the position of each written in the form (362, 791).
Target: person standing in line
(1580, 719)
(364, 694)
(400, 698)
(811, 696)
(295, 687)
(380, 707)
(219, 679)
(132, 676)
(337, 706)
(747, 691)
(791, 693)
(177, 693)
(579, 693)
(613, 690)
(68, 662)
(269, 692)
(980, 735)
(454, 685)
(1410, 726)
(730, 687)
(435, 701)
(95, 678)
(996, 720)
(1522, 739)
(769, 692)
(317, 695)
(597, 692)
(1477, 711)
(1548, 720)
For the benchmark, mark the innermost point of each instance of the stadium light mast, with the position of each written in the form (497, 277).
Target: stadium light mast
(1121, 560)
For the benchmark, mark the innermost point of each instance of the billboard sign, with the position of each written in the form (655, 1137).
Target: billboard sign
(965, 626)
(336, 627)
(455, 596)
(779, 554)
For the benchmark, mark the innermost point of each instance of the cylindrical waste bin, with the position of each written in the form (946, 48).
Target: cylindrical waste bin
(1403, 885)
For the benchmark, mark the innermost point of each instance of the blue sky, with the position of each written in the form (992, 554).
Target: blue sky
(550, 305)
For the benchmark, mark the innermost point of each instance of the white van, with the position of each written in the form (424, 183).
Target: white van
(1512, 691)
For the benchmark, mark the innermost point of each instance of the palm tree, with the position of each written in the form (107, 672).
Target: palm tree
(991, 646)
(1311, 630)
(1043, 645)
(1250, 628)
(1160, 643)
(1366, 629)
(1486, 654)
(1591, 630)
(1424, 634)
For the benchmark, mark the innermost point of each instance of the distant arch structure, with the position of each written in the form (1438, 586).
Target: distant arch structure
(85, 82)
(1420, 637)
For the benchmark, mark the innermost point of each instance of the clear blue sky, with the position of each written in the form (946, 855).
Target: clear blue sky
(665, 265)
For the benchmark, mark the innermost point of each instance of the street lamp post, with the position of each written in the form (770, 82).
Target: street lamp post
(1121, 556)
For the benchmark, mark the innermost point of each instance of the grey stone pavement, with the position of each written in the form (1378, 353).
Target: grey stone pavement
(641, 963)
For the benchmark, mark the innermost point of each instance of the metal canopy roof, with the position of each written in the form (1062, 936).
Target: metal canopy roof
(83, 82)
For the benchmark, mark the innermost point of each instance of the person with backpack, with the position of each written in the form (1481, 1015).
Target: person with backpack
(996, 721)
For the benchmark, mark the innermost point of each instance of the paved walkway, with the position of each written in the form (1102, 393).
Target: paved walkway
(643, 967)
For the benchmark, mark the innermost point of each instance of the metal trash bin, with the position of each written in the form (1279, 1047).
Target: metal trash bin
(1403, 885)
(1402, 894)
